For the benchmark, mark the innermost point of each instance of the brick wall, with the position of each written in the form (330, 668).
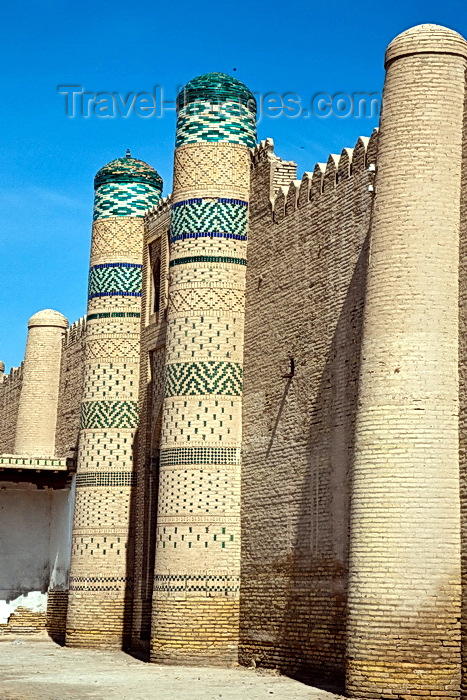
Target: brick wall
(152, 370)
(305, 287)
(70, 390)
(463, 397)
(10, 390)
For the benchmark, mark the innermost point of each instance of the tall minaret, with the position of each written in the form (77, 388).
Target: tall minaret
(404, 583)
(196, 592)
(101, 578)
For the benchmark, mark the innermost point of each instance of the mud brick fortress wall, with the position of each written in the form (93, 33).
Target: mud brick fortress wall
(253, 448)
(298, 425)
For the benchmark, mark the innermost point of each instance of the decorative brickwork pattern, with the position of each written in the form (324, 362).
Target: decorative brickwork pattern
(110, 346)
(105, 479)
(197, 300)
(198, 378)
(204, 584)
(115, 237)
(109, 414)
(229, 122)
(124, 199)
(101, 579)
(208, 259)
(213, 170)
(200, 455)
(198, 218)
(114, 279)
(199, 459)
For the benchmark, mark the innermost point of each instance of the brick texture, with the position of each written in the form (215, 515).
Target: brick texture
(306, 268)
(404, 590)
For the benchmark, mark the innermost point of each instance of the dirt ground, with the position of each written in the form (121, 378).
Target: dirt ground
(35, 668)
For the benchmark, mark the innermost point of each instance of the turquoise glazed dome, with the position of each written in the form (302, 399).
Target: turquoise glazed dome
(128, 169)
(216, 87)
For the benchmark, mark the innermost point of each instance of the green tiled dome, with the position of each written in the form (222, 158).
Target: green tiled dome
(217, 87)
(128, 169)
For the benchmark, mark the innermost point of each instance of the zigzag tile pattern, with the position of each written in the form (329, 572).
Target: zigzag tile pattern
(198, 218)
(110, 279)
(109, 414)
(199, 378)
(124, 199)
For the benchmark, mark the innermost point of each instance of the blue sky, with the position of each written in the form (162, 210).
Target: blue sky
(48, 161)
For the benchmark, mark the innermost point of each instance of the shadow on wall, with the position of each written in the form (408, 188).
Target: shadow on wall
(294, 592)
(317, 571)
(142, 548)
(131, 585)
(35, 552)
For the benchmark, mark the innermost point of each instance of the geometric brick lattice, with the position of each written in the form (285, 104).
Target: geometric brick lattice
(112, 347)
(116, 314)
(120, 234)
(124, 199)
(198, 378)
(216, 169)
(197, 218)
(115, 279)
(109, 414)
(232, 300)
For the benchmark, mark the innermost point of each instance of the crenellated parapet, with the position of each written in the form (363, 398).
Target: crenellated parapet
(264, 150)
(326, 177)
(14, 376)
(10, 389)
(161, 210)
(75, 332)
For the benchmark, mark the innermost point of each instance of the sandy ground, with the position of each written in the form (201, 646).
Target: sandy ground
(35, 668)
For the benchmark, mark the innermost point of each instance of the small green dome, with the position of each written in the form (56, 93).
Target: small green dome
(216, 87)
(128, 169)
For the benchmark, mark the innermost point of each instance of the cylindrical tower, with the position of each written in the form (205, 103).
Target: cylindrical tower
(101, 578)
(404, 587)
(37, 410)
(196, 591)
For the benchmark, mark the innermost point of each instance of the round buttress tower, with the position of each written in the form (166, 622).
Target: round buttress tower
(101, 581)
(404, 582)
(37, 410)
(196, 591)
